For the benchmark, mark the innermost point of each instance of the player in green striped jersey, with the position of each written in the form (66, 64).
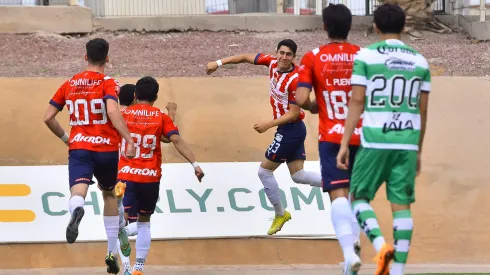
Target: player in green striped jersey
(391, 84)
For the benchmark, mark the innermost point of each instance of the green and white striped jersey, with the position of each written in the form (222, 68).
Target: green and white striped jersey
(394, 74)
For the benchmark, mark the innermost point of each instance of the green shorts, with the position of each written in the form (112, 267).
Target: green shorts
(397, 168)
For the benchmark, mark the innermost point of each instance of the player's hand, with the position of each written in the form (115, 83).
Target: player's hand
(211, 67)
(262, 127)
(343, 158)
(419, 164)
(171, 106)
(130, 150)
(314, 107)
(199, 173)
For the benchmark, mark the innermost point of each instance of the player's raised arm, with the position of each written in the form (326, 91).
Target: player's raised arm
(236, 59)
(118, 121)
(55, 106)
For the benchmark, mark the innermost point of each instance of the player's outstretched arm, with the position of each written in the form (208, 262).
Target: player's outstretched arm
(187, 153)
(54, 125)
(356, 107)
(292, 114)
(118, 121)
(236, 59)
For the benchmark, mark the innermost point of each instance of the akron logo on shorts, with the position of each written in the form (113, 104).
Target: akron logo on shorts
(17, 215)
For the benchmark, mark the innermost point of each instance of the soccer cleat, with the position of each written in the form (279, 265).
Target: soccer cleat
(352, 265)
(278, 222)
(137, 272)
(124, 242)
(119, 190)
(72, 228)
(112, 264)
(383, 259)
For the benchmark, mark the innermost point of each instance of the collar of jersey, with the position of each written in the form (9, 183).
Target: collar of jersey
(394, 42)
(286, 72)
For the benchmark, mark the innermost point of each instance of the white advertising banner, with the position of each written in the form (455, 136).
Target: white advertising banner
(228, 203)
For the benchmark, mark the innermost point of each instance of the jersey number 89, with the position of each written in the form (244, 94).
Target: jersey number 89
(147, 142)
(336, 102)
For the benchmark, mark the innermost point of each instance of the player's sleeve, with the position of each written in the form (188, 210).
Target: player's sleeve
(263, 59)
(111, 88)
(169, 127)
(359, 71)
(292, 91)
(426, 80)
(305, 71)
(59, 100)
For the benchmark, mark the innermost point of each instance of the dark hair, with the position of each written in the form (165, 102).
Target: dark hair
(126, 94)
(147, 89)
(97, 51)
(389, 18)
(288, 43)
(337, 20)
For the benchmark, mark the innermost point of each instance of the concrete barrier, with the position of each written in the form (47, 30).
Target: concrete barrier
(54, 19)
(263, 22)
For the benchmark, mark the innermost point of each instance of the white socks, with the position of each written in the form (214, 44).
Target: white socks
(342, 223)
(132, 229)
(74, 202)
(143, 242)
(111, 224)
(120, 208)
(125, 260)
(271, 188)
(356, 229)
(307, 177)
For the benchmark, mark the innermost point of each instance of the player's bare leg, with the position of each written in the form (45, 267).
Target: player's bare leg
(271, 188)
(143, 242)
(124, 244)
(75, 205)
(346, 229)
(299, 175)
(111, 222)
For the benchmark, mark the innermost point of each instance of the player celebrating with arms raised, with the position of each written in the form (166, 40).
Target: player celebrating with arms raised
(391, 84)
(328, 69)
(288, 144)
(91, 98)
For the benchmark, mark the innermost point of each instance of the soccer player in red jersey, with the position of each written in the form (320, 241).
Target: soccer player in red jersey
(129, 210)
(288, 143)
(91, 98)
(328, 70)
(142, 174)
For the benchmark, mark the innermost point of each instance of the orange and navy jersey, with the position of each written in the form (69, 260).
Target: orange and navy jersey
(146, 124)
(328, 71)
(85, 96)
(282, 90)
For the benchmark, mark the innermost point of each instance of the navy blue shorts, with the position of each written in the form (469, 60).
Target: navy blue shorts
(288, 144)
(84, 164)
(140, 198)
(333, 177)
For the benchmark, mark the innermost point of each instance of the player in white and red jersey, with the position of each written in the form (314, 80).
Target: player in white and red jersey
(288, 143)
(328, 70)
(142, 174)
(91, 98)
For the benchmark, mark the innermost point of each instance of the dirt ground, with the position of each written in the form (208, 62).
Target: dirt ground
(216, 116)
(186, 54)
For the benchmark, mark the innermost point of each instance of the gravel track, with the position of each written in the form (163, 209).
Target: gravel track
(186, 54)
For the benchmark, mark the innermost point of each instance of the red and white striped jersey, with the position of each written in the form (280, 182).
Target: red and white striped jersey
(282, 86)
